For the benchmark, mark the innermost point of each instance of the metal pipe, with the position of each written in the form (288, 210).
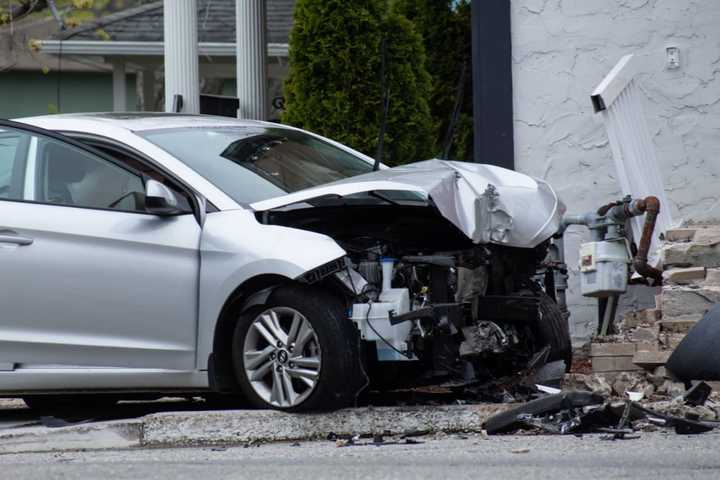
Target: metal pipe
(651, 207)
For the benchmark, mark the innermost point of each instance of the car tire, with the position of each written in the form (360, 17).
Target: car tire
(310, 367)
(553, 330)
(69, 403)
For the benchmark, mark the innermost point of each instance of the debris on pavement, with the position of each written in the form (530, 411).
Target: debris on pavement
(378, 440)
(578, 412)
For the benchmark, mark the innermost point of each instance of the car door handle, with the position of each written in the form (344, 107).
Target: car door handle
(8, 236)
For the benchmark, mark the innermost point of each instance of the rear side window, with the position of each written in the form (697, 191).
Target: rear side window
(13, 155)
(36, 168)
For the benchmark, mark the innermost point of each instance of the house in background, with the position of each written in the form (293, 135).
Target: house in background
(31, 83)
(116, 62)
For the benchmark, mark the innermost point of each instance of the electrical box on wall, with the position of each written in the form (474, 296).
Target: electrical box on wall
(672, 58)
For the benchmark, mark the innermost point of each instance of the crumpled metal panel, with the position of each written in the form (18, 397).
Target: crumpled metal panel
(488, 203)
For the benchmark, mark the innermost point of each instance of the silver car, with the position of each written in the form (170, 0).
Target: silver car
(157, 253)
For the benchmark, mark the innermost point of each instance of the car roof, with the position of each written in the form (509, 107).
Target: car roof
(139, 121)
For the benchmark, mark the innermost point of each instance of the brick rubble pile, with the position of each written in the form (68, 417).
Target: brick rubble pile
(634, 359)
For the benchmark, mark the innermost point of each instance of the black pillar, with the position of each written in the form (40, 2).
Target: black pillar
(492, 83)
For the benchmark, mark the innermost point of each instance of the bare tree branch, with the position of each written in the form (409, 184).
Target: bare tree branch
(24, 8)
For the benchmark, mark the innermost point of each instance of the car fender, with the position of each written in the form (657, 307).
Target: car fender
(235, 248)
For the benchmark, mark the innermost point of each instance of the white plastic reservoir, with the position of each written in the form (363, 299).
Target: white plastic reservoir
(373, 319)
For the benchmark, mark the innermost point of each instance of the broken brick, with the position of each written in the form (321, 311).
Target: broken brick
(690, 255)
(612, 349)
(630, 320)
(649, 315)
(670, 340)
(684, 275)
(651, 360)
(712, 277)
(681, 324)
(686, 300)
(645, 334)
(680, 234)
(614, 364)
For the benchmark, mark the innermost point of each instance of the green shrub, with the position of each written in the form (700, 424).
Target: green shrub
(445, 27)
(334, 85)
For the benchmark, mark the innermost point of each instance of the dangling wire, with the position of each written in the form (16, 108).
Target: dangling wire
(385, 104)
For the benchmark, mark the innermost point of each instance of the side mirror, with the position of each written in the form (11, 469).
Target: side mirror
(159, 199)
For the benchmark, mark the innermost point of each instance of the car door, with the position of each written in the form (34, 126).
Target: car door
(87, 276)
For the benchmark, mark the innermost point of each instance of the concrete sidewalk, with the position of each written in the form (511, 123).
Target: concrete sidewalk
(231, 427)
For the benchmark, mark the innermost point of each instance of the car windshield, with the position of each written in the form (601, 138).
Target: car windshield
(256, 163)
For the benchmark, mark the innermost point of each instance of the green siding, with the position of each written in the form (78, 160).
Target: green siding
(24, 93)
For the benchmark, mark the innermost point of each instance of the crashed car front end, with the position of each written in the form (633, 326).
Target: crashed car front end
(446, 275)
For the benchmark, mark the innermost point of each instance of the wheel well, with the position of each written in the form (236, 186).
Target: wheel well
(220, 369)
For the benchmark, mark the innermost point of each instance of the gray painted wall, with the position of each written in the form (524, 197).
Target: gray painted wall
(561, 50)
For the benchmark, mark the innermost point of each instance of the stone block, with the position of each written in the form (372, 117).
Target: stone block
(628, 381)
(649, 316)
(680, 234)
(707, 236)
(658, 302)
(612, 349)
(690, 255)
(685, 300)
(684, 275)
(630, 320)
(681, 324)
(614, 364)
(653, 346)
(658, 376)
(596, 383)
(645, 334)
(670, 340)
(671, 389)
(712, 277)
(651, 360)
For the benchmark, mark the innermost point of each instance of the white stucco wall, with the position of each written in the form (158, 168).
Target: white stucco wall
(562, 49)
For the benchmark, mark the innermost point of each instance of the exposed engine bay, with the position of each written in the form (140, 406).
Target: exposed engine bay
(430, 305)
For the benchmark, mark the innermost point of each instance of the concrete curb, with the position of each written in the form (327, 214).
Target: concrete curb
(228, 427)
(244, 426)
(97, 436)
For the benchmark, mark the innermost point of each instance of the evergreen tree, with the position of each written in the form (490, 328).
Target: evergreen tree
(445, 27)
(334, 87)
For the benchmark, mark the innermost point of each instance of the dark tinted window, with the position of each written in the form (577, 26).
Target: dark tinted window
(253, 164)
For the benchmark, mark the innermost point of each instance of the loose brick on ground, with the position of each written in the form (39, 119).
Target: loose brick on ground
(684, 275)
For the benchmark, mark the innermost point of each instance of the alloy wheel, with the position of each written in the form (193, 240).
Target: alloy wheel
(282, 357)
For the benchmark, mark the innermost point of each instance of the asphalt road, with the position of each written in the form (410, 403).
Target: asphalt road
(656, 455)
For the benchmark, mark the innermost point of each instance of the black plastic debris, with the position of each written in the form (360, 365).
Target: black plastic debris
(697, 357)
(579, 412)
(698, 394)
(550, 405)
(551, 374)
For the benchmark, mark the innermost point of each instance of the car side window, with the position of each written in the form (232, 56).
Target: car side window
(184, 202)
(13, 155)
(67, 175)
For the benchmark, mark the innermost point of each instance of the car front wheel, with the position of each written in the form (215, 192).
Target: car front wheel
(297, 352)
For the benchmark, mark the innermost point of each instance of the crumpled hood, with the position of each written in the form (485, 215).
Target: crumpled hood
(489, 204)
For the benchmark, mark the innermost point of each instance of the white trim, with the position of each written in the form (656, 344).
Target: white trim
(110, 48)
(30, 164)
(614, 83)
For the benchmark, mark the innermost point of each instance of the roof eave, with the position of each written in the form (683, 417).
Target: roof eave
(128, 48)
